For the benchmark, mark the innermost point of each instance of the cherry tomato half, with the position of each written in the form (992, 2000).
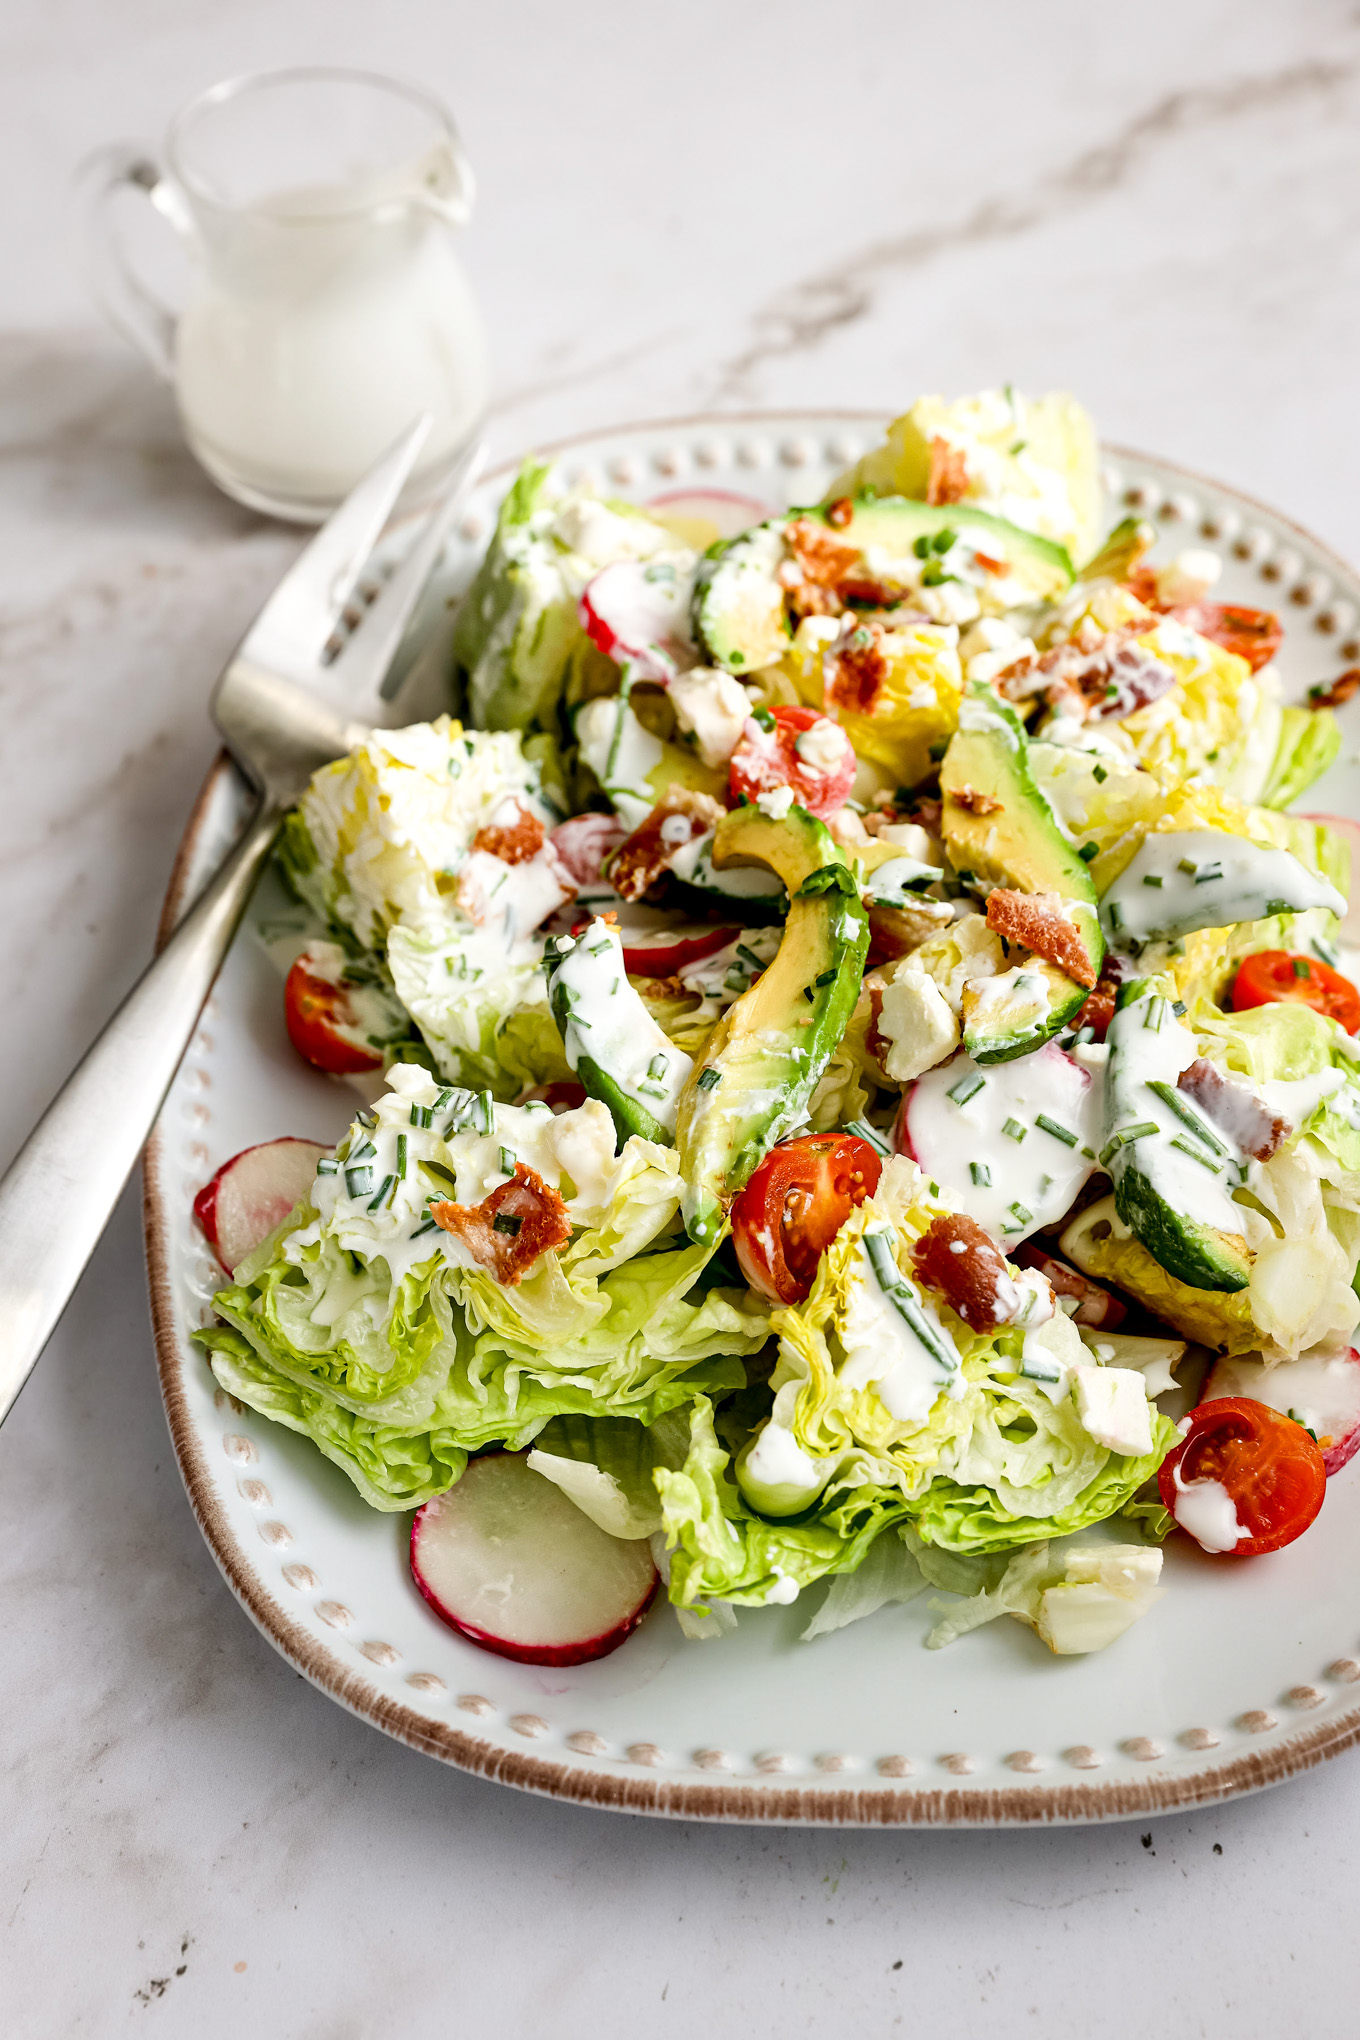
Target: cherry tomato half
(322, 1024)
(795, 1204)
(1270, 1466)
(1254, 634)
(768, 757)
(1277, 974)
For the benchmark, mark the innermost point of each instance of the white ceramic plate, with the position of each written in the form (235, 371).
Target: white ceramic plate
(1243, 1675)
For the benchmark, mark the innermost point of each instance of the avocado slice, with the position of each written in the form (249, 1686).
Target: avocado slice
(738, 613)
(894, 524)
(610, 1039)
(1000, 830)
(768, 1051)
(1173, 1174)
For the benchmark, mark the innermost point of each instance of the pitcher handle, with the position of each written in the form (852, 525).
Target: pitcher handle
(135, 310)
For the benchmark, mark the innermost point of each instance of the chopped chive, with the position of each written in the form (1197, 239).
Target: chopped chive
(387, 1183)
(1176, 1102)
(1153, 878)
(934, 1189)
(443, 1098)
(426, 1225)
(1198, 1155)
(763, 717)
(1082, 1036)
(1088, 851)
(860, 1129)
(828, 977)
(506, 1222)
(363, 1151)
(507, 1162)
(966, 1088)
(1015, 1129)
(709, 1078)
(1302, 967)
(358, 1182)
(1045, 1183)
(401, 1155)
(367, 1118)
(1154, 1013)
(597, 949)
(422, 1115)
(980, 1174)
(328, 1166)
(1099, 774)
(1278, 907)
(483, 1112)
(906, 1301)
(1179, 1008)
(1115, 913)
(1188, 866)
(1019, 1212)
(1061, 1133)
(1089, 1153)
(1207, 872)
(657, 1066)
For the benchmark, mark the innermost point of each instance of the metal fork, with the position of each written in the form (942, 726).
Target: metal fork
(283, 711)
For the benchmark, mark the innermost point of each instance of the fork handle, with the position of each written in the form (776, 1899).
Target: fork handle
(58, 1193)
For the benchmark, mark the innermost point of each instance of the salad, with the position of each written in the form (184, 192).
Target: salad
(845, 1016)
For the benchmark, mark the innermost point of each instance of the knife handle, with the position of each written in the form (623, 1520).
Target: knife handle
(58, 1193)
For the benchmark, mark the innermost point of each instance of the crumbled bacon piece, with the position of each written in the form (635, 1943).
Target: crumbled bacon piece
(1253, 634)
(897, 931)
(824, 560)
(1101, 674)
(514, 843)
(955, 1256)
(1038, 921)
(583, 844)
(647, 855)
(1095, 1306)
(859, 668)
(1341, 689)
(840, 512)
(1234, 1109)
(948, 481)
(1098, 1011)
(508, 1230)
(976, 802)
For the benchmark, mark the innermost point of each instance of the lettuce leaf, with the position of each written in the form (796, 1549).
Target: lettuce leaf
(1309, 742)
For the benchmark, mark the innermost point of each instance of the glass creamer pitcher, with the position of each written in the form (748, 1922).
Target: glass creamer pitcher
(326, 305)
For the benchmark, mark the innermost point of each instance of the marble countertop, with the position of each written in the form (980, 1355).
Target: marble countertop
(679, 211)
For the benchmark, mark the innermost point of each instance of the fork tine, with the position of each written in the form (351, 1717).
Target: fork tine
(364, 670)
(291, 631)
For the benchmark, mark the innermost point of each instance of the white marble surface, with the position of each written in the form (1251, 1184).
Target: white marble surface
(680, 209)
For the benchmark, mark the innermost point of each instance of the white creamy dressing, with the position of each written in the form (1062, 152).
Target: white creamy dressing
(610, 1024)
(1149, 1045)
(509, 901)
(776, 1475)
(694, 864)
(899, 881)
(374, 1203)
(1298, 1098)
(621, 753)
(746, 598)
(955, 1121)
(1206, 878)
(1207, 1511)
(894, 1341)
(724, 976)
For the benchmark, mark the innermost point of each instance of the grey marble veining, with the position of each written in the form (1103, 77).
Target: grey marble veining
(742, 207)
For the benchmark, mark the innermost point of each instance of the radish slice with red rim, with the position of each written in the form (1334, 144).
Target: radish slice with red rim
(667, 950)
(254, 1192)
(1322, 1395)
(637, 612)
(506, 1560)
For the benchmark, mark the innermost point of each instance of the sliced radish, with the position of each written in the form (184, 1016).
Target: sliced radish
(1094, 1306)
(506, 1560)
(1014, 1141)
(637, 611)
(254, 1192)
(668, 950)
(585, 842)
(728, 513)
(1324, 1396)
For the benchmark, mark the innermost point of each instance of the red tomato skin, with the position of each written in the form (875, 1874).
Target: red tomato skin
(1272, 1468)
(767, 758)
(314, 1011)
(662, 956)
(1271, 976)
(834, 1172)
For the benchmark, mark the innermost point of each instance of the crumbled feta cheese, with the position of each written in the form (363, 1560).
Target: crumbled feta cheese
(776, 803)
(1113, 1407)
(600, 535)
(917, 1023)
(823, 747)
(949, 602)
(714, 707)
(1105, 1589)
